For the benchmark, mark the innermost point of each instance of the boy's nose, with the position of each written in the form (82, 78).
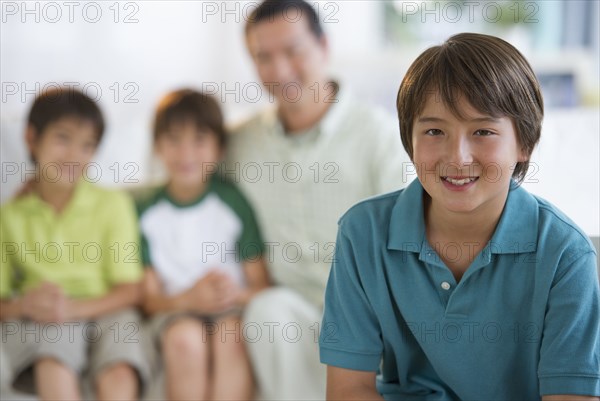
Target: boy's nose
(459, 156)
(459, 151)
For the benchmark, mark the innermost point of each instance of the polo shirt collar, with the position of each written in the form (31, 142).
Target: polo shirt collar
(79, 203)
(330, 122)
(516, 231)
(407, 224)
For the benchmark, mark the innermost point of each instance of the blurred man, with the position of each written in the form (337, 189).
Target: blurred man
(302, 164)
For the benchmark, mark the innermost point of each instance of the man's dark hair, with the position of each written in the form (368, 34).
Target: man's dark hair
(269, 10)
(64, 102)
(189, 106)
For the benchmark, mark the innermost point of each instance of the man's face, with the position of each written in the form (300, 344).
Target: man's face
(291, 61)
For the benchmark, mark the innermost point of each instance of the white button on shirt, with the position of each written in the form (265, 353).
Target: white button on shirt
(308, 181)
(445, 285)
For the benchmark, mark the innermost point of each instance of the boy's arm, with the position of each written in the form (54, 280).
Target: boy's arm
(211, 294)
(10, 309)
(347, 384)
(48, 303)
(257, 278)
(120, 297)
(154, 299)
(569, 361)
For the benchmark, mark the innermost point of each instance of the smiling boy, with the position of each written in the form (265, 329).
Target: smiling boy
(204, 255)
(70, 272)
(464, 286)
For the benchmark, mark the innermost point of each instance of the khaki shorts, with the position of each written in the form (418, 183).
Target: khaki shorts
(85, 347)
(156, 325)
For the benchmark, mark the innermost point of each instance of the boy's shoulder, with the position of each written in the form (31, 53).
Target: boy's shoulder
(559, 230)
(229, 193)
(370, 213)
(94, 200)
(146, 197)
(220, 186)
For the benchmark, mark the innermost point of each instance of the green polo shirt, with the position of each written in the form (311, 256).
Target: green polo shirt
(88, 248)
(524, 320)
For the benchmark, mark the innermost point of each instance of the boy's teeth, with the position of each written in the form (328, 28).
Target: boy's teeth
(459, 182)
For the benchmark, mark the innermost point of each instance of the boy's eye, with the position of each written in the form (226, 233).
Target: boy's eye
(483, 132)
(172, 138)
(62, 136)
(433, 132)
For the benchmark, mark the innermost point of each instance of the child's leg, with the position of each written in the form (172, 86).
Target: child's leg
(117, 362)
(232, 374)
(61, 355)
(186, 356)
(117, 382)
(55, 381)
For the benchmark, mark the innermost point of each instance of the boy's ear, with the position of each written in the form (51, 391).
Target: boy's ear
(524, 155)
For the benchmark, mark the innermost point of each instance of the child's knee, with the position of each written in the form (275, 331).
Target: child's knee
(185, 338)
(116, 375)
(229, 341)
(49, 362)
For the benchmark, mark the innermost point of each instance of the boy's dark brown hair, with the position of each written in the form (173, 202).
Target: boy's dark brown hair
(63, 102)
(493, 75)
(189, 106)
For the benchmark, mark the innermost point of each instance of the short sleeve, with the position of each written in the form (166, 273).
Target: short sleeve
(250, 243)
(145, 250)
(122, 263)
(6, 265)
(350, 334)
(143, 202)
(570, 349)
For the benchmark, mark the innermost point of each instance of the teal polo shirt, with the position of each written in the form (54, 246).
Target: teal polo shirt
(524, 320)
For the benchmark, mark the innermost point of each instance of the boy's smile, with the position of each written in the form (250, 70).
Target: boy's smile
(464, 163)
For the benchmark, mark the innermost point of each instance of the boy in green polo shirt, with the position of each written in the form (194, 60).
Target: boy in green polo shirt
(464, 286)
(70, 269)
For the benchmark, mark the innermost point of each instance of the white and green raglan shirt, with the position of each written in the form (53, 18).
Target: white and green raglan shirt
(183, 242)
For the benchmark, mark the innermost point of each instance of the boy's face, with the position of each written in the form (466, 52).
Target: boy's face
(189, 154)
(288, 56)
(464, 165)
(63, 150)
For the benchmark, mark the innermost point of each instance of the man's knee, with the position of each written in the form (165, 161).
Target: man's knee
(273, 304)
